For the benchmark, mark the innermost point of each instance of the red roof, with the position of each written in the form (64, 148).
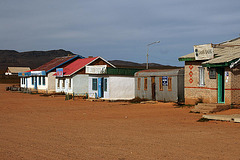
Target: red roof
(77, 65)
(53, 63)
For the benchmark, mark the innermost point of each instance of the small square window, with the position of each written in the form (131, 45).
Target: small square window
(160, 84)
(169, 83)
(145, 83)
(139, 83)
(94, 84)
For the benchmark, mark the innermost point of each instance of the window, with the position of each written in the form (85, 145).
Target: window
(69, 83)
(58, 83)
(105, 85)
(94, 84)
(35, 78)
(145, 83)
(43, 80)
(169, 83)
(63, 83)
(32, 80)
(160, 84)
(201, 76)
(139, 83)
(39, 80)
(22, 80)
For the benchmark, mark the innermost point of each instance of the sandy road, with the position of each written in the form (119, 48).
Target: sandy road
(35, 127)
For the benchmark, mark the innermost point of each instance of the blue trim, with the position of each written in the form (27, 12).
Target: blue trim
(77, 56)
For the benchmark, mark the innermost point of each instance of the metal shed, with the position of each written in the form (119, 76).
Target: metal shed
(160, 85)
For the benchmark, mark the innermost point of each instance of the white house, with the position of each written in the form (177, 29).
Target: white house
(42, 78)
(111, 87)
(73, 78)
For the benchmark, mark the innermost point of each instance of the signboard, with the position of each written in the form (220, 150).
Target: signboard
(212, 73)
(203, 52)
(38, 73)
(96, 69)
(24, 74)
(164, 80)
(59, 72)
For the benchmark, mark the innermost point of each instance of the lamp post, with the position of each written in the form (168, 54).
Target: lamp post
(148, 51)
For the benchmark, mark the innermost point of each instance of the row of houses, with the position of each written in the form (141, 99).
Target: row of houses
(211, 74)
(98, 78)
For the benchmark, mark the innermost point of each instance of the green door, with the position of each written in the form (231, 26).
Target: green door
(221, 88)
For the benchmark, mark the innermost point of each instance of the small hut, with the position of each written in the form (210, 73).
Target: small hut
(160, 85)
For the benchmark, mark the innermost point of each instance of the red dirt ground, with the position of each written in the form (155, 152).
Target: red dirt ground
(36, 127)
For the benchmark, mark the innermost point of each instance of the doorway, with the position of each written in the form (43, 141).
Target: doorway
(221, 85)
(100, 87)
(153, 84)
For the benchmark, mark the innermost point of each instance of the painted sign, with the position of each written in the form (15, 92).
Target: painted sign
(38, 73)
(203, 52)
(164, 80)
(96, 69)
(59, 72)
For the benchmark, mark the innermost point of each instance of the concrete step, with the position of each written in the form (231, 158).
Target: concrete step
(209, 108)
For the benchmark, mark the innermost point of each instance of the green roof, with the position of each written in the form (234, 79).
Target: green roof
(122, 71)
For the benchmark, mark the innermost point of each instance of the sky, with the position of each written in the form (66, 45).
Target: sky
(118, 29)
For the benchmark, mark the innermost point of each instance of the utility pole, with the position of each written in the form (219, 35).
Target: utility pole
(148, 51)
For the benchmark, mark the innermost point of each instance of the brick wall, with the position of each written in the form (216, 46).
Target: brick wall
(235, 81)
(193, 91)
(209, 92)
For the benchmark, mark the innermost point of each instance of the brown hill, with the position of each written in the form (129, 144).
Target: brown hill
(128, 64)
(32, 59)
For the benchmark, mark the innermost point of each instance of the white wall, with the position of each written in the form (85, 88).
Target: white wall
(118, 88)
(121, 87)
(51, 82)
(80, 84)
(28, 83)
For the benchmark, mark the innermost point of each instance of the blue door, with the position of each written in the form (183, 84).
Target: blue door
(35, 82)
(100, 87)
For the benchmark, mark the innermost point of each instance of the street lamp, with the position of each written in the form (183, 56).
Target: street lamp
(148, 50)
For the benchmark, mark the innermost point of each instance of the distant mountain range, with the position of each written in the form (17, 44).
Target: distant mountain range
(34, 59)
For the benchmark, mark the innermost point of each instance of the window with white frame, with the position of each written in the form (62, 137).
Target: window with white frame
(43, 80)
(94, 84)
(32, 80)
(63, 83)
(39, 80)
(69, 83)
(201, 76)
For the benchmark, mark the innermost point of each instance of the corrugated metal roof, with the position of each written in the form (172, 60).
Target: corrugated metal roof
(55, 63)
(77, 65)
(18, 69)
(224, 58)
(159, 72)
(223, 52)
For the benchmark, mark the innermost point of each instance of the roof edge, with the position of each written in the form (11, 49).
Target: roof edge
(77, 56)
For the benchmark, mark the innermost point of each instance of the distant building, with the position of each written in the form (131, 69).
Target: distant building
(160, 85)
(42, 78)
(15, 70)
(212, 73)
